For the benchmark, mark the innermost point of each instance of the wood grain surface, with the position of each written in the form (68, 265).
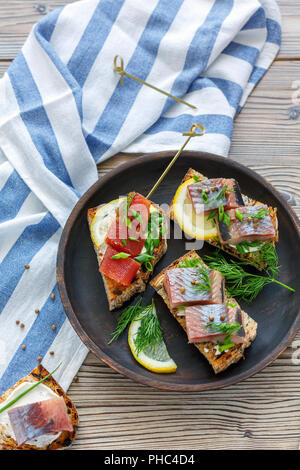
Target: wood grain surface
(262, 412)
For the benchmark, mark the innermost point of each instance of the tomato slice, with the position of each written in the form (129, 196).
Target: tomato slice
(128, 231)
(120, 270)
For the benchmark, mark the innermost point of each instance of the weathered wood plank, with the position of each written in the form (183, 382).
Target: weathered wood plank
(18, 16)
(262, 412)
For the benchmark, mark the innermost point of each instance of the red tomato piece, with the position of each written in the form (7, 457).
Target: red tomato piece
(128, 231)
(120, 270)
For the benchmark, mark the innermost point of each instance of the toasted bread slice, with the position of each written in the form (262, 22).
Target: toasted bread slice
(251, 257)
(116, 293)
(220, 362)
(65, 438)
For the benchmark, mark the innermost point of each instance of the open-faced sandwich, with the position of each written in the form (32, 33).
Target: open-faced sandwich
(214, 322)
(215, 210)
(129, 237)
(44, 418)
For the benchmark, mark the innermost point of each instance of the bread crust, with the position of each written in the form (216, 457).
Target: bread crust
(116, 293)
(249, 257)
(223, 361)
(66, 438)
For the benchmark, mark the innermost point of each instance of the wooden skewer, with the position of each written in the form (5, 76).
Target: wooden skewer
(191, 133)
(120, 70)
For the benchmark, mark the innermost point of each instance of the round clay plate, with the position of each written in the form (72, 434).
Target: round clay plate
(276, 309)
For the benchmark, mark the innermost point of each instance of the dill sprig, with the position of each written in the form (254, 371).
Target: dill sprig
(240, 283)
(189, 263)
(267, 256)
(149, 335)
(204, 283)
(129, 314)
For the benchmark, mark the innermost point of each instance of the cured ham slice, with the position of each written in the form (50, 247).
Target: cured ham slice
(40, 418)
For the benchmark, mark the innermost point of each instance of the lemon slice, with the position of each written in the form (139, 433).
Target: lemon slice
(102, 220)
(196, 226)
(157, 359)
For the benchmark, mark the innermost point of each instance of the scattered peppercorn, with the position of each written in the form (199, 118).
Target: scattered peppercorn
(249, 219)
(37, 310)
(207, 191)
(255, 225)
(17, 322)
(211, 318)
(53, 296)
(39, 359)
(182, 289)
(26, 266)
(222, 317)
(22, 325)
(51, 353)
(76, 378)
(53, 327)
(23, 346)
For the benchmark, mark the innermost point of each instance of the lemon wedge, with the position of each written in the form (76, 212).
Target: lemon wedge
(196, 226)
(157, 359)
(102, 219)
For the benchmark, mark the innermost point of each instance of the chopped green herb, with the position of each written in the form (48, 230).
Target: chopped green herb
(124, 241)
(144, 258)
(120, 255)
(221, 194)
(239, 215)
(260, 214)
(231, 305)
(227, 328)
(136, 215)
(221, 212)
(226, 219)
(204, 197)
(196, 178)
(212, 214)
(203, 275)
(189, 263)
(133, 239)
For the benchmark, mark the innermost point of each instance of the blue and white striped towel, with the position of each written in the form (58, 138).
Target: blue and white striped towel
(62, 110)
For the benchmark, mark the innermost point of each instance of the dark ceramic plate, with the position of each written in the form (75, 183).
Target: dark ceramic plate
(276, 309)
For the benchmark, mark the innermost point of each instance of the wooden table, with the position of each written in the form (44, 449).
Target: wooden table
(262, 412)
